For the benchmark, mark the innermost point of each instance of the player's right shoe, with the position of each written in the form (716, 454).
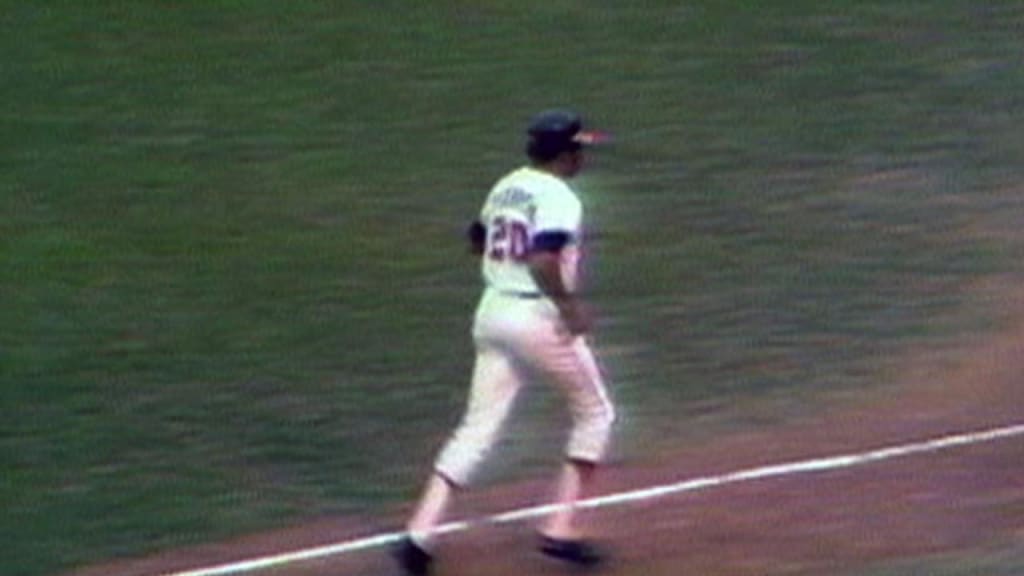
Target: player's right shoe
(414, 560)
(576, 552)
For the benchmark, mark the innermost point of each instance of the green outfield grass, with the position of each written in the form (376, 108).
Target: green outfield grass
(234, 292)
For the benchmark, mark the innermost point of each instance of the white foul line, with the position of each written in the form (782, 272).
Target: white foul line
(785, 469)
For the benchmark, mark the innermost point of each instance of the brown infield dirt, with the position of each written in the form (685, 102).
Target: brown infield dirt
(828, 522)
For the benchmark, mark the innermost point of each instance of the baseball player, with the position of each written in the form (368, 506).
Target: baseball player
(529, 321)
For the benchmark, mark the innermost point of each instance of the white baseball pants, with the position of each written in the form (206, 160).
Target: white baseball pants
(516, 337)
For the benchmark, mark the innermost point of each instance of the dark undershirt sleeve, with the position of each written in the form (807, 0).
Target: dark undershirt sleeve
(550, 241)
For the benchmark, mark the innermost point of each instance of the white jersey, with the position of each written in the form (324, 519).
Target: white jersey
(523, 204)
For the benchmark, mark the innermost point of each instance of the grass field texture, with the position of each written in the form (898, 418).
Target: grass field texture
(234, 292)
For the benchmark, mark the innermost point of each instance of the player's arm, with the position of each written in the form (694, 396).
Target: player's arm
(545, 267)
(476, 233)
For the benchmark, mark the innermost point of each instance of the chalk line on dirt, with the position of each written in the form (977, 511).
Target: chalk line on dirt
(692, 485)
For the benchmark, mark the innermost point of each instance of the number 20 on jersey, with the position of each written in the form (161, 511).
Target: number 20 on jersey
(509, 240)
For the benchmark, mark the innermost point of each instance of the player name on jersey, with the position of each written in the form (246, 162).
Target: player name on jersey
(515, 199)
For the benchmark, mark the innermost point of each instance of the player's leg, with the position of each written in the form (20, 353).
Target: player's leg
(574, 477)
(592, 411)
(572, 367)
(430, 510)
(495, 385)
(493, 390)
(560, 538)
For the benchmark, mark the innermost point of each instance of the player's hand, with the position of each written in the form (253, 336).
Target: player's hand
(576, 317)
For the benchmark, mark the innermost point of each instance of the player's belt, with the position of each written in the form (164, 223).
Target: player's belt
(519, 294)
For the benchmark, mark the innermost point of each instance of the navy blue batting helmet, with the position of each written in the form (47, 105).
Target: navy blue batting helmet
(552, 132)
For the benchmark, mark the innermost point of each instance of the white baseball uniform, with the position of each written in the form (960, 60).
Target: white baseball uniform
(517, 331)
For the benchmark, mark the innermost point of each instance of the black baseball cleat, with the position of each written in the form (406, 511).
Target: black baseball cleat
(575, 552)
(414, 560)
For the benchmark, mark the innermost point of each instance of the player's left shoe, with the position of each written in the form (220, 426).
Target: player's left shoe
(414, 560)
(576, 552)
